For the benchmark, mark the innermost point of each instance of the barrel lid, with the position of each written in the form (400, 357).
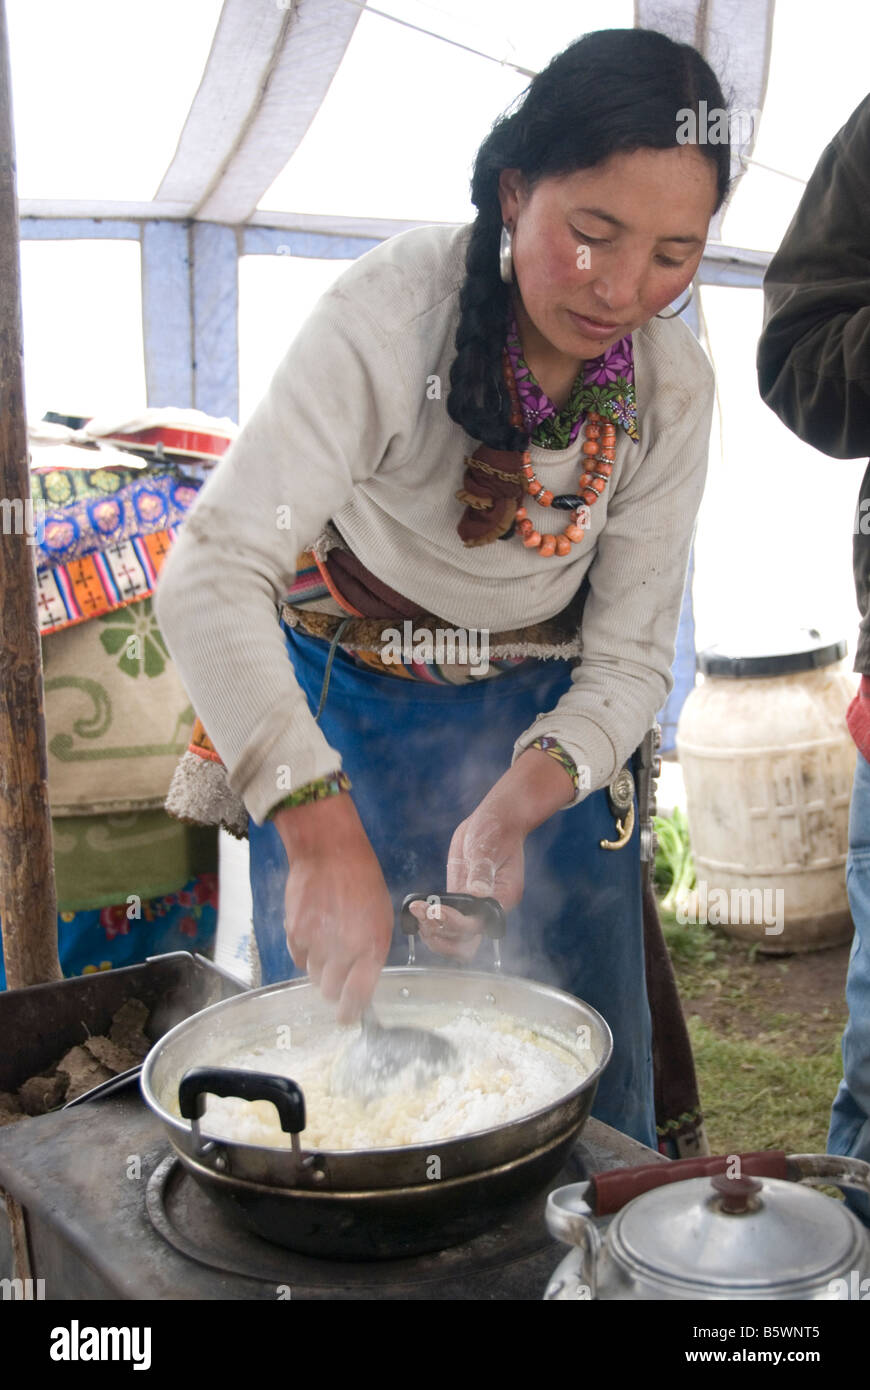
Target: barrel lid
(801, 649)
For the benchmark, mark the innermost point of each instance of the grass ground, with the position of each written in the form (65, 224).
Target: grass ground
(766, 1035)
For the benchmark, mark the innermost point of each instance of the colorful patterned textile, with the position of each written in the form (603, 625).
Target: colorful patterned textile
(201, 744)
(553, 748)
(102, 938)
(101, 582)
(57, 487)
(85, 524)
(433, 673)
(318, 790)
(117, 716)
(606, 384)
(309, 583)
(102, 535)
(131, 880)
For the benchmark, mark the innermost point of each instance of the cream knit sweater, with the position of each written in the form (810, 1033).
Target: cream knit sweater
(354, 428)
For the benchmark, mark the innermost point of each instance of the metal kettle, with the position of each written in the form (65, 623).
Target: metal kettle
(738, 1226)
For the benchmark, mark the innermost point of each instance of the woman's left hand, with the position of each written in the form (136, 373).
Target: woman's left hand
(486, 859)
(486, 853)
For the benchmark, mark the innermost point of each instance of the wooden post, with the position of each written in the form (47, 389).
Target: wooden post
(21, 1264)
(28, 901)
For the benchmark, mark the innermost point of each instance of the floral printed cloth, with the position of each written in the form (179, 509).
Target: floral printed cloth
(106, 938)
(605, 384)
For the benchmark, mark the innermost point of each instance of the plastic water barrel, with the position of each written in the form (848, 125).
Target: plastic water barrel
(768, 764)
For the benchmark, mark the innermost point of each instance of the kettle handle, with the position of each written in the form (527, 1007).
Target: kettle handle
(830, 1170)
(567, 1221)
(607, 1192)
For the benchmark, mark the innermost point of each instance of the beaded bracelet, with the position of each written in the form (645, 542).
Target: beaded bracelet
(547, 744)
(323, 787)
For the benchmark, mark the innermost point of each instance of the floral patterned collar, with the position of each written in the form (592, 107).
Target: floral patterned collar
(605, 384)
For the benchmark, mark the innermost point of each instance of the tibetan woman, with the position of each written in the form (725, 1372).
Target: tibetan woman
(498, 429)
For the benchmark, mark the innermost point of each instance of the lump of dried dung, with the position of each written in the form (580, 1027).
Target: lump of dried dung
(82, 1070)
(110, 1055)
(39, 1094)
(10, 1109)
(82, 1067)
(128, 1029)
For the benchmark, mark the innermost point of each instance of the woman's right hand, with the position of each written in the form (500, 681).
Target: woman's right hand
(338, 914)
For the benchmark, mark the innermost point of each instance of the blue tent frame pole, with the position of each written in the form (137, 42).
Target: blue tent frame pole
(167, 314)
(215, 313)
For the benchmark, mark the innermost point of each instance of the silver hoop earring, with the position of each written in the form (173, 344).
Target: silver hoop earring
(675, 314)
(505, 257)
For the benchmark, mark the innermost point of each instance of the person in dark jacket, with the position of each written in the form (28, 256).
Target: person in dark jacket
(814, 372)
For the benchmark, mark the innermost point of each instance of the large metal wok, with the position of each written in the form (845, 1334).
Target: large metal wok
(373, 1203)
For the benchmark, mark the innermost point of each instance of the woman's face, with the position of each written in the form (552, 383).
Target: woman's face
(598, 252)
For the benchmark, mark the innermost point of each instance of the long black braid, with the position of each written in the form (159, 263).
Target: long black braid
(613, 91)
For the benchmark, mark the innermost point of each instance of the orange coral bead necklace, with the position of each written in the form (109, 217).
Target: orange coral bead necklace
(599, 447)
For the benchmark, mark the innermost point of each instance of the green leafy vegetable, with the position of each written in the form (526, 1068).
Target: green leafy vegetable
(674, 866)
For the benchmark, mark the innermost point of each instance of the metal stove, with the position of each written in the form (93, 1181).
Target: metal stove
(111, 1214)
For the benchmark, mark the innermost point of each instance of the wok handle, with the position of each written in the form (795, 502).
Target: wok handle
(488, 909)
(610, 1191)
(284, 1094)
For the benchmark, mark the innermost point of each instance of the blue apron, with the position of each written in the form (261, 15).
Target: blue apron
(421, 757)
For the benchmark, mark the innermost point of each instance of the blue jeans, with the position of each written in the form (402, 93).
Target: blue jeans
(850, 1116)
(420, 758)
